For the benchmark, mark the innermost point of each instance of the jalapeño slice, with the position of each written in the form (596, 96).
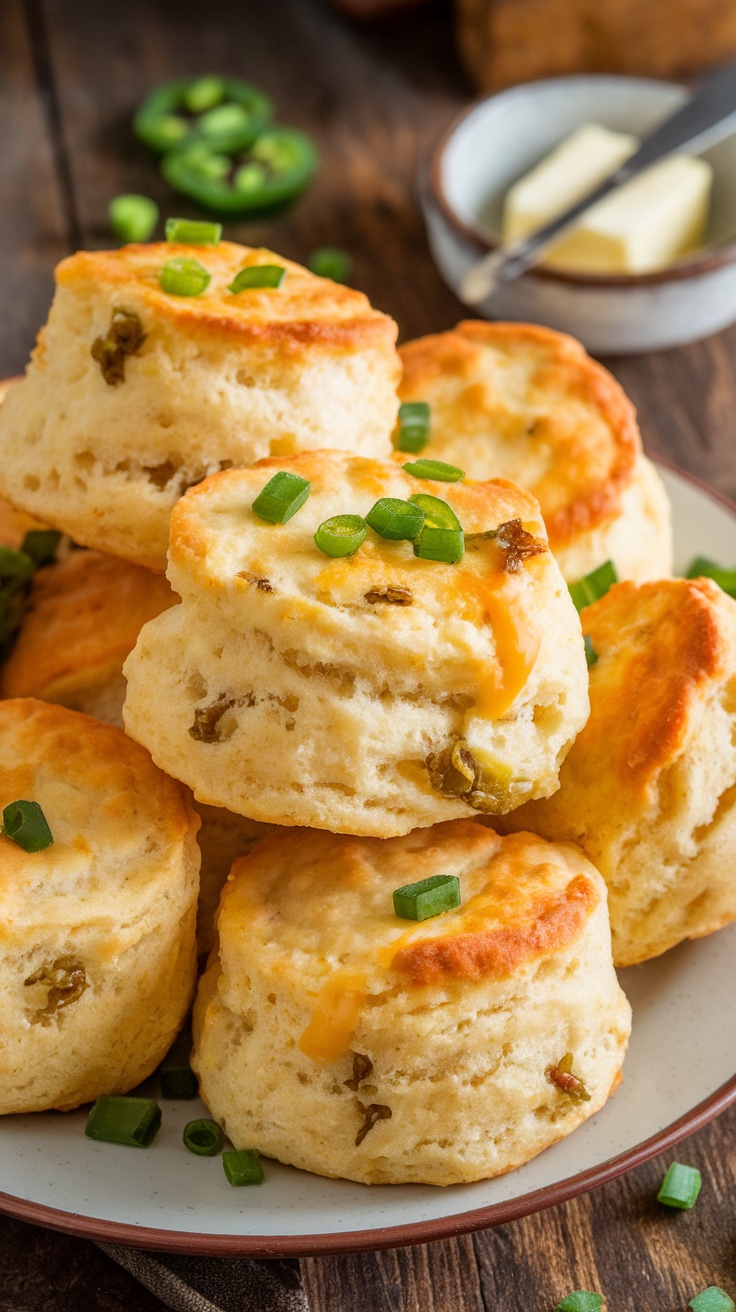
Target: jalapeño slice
(274, 169)
(223, 112)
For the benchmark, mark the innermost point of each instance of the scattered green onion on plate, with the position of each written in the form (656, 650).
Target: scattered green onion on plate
(436, 470)
(428, 897)
(395, 520)
(282, 496)
(258, 275)
(203, 1138)
(341, 535)
(594, 586)
(118, 1119)
(132, 218)
(193, 232)
(680, 1187)
(25, 824)
(182, 276)
(413, 434)
(243, 1167)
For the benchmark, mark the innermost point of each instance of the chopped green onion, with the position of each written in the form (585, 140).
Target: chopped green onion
(591, 655)
(250, 178)
(582, 1300)
(435, 469)
(282, 496)
(15, 566)
(413, 433)
(132, 218)
(701, 567)
(223, 119)
(25, 824)
(41, 545)
(395, 520)
(712, 1299)
(680, 1187)
(330, 262)
(428, 897)
(243, 1167)
(193, 232)
(183, 276)
(204, 94)
(341, 535)
(594, 586)
(442, 536)
(258, 275)
(203, 1138)
(437, 512)
(132, 1121)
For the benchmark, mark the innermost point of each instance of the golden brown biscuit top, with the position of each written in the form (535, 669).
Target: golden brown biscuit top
(113, 814)
(82, 620)
(478, 612)
(528, 403)
(317, 907)
(659, 645)
(305, 309)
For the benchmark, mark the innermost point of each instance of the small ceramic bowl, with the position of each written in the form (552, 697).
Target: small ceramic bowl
(498, 140)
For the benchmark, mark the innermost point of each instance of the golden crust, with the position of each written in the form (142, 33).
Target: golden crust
(92, 783)
(669, 643)
(304, 310)
(568, 407)
(330, 897)
(83, 618)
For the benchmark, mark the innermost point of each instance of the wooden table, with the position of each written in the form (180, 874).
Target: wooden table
(373, 98)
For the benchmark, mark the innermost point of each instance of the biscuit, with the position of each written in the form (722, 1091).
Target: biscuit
(649, 787)
(338, 1038)
(222, 837)
(133, 394)
(97, 957)
(369, 694)
(14, 524)
(82, 619)
(523, 402)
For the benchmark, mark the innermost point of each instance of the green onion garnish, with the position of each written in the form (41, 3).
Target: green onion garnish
(701, 567)
(582, 1300)
(594, 586)
(680, 1187)
(591, 655)
(712, 1299)
(132, 218)
(15, 566)
(243, 1167)
(258, 275)
(282, 496)
(132, 1121)
(183, 276)
(193, 232)
(204, 93)
(442, 536)
(428, 897)
(413, 433)
(435, 469)
(330, 262)
(341, 535)
(395, 520)
(203, 1138)
(41, 545)
(25, 824)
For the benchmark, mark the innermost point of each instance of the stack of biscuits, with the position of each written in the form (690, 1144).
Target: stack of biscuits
(330, 736)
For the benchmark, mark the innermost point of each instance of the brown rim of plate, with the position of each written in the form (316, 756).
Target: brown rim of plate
(398, 1236)
(694, 266)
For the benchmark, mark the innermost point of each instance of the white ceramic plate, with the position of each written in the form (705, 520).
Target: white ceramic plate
(678, 1074)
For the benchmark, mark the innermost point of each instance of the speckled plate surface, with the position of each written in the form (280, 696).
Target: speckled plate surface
(678, 1074)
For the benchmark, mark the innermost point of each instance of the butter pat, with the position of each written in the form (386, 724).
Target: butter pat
(646, 225)
(575, 166)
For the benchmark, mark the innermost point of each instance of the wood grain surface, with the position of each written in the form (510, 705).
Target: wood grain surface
(71, 73)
